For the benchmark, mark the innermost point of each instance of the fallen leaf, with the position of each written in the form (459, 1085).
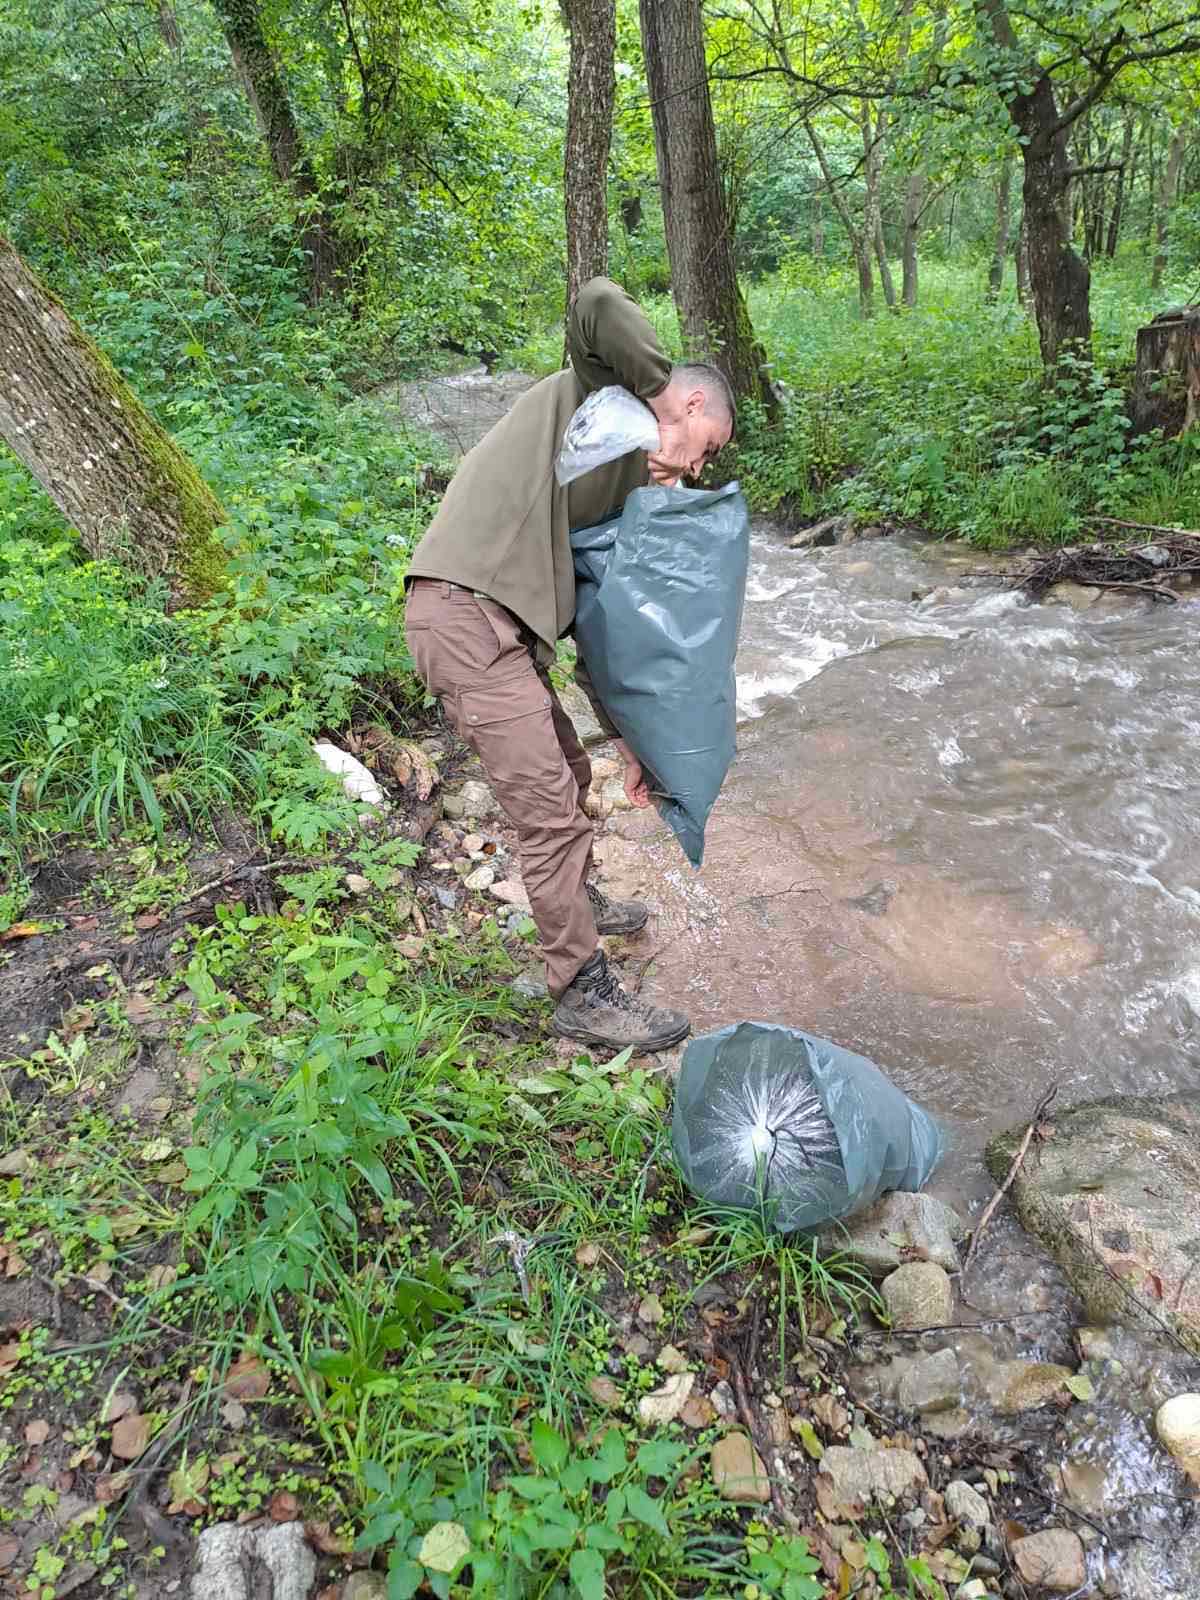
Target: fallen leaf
(85, 924)
(832, 1508)
(227, 1462)
(171, 1172)
(830, 1413)
(651, 1310)
(697, 1412)
(186, 1486)
(98, 1272)
(128, 1221)
(247, 1379)
(234, 1413)
(807, 1435)
(14, 1163)
(1082, 1387)
(148, 919)
(37, 1431)
(283, 1507)
(587, 1255)
(9, 1548)
(445, 1547)
(162, 1277)
(605, 1393)
(22, 930)
(156, 1150)
(322, 1538)
(16, 1265)
(117, 1406)
(130, 1436)
(665, 1404)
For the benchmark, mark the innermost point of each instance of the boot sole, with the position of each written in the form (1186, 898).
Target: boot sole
(625, 927)
(662, 1041)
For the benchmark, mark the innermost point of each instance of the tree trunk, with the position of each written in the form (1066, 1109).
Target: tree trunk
(1166, 200)
(1000, 248)
(818, 224)
(712, 314)
(874, 136)
(86, 437)
(887, 282)
(1124, 186)
(914, 205)
(591, 86)
(267, 93)
(1166, 384)
(860, 242)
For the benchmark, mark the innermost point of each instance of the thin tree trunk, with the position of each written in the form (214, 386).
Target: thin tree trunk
(712, 313)
(914, 206)
(1000, 247)
(1124, 185)
(1166, 200)
(1023, 266)
(591, 86)
(859, 242)
(874, 135)
(267, 93)
(168, 25)
(818, 224)
(86, 437)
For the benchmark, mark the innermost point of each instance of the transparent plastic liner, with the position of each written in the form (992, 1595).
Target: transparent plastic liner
(769, 1118)
(609, 424)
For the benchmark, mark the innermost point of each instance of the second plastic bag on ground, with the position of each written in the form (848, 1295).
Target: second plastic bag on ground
(774, 1118)
(658, 610)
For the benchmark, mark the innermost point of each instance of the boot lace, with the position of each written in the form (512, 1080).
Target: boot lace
(607, 991)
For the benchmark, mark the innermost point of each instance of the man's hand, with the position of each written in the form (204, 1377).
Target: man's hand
(637, 790)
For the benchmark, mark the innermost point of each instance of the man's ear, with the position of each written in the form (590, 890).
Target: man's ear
(695, 403)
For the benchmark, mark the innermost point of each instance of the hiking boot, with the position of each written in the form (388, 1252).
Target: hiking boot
(596, 1010)
(616, 916)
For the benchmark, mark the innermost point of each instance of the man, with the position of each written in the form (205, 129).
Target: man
(492, 589)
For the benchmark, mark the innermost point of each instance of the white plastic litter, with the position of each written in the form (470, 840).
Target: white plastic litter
(358, 783)
(609, 424)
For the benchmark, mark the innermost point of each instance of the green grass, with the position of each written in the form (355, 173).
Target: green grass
(937, 419)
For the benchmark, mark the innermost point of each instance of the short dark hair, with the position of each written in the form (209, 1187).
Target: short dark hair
(705, 375)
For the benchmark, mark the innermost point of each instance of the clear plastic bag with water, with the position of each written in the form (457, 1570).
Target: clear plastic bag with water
(608, 425)
(774, 1120)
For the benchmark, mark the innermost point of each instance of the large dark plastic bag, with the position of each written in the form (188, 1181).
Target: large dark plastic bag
(658, 610)
(772, 1116)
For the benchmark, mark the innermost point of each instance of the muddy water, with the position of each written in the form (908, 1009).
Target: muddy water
(961, 837)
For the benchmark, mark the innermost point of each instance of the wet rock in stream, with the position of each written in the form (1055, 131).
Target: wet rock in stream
(1112, 1194)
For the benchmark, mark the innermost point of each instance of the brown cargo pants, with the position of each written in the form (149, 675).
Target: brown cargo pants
(473, 655)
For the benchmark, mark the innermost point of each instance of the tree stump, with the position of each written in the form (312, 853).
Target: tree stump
(1166, 383)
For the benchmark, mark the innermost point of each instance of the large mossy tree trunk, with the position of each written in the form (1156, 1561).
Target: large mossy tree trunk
(713, 317)
(262, 79)
(590, 90)
(116, 476)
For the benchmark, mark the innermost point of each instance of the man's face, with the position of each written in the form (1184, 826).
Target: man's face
(687, 446)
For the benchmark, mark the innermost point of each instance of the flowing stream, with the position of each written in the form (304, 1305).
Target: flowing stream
(961, 836)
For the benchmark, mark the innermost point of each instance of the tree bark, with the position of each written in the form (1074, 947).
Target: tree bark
(1000, 248)
(712, 313)
(874, 137)
(1124, 186)
(1023, 265)
(266, 91)
(1166, 200)
(860, 242)
(110, 469)
(1059, 280)
(591, 86)
(914, 208)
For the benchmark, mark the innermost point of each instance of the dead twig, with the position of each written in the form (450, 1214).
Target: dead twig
(1145, 527)
(1039, 1112)
(741, 1395)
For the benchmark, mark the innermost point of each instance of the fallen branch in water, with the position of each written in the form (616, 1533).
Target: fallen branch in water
(1039, 1112)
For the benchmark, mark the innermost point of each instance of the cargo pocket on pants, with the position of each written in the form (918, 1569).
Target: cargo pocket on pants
(509, 725)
